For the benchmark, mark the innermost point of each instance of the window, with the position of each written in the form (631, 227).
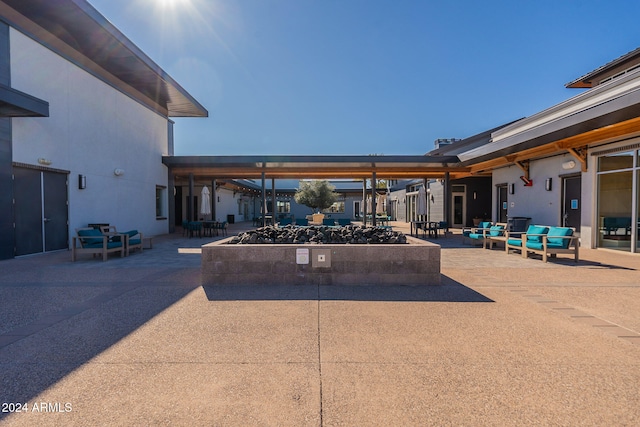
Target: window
(284, 206)
(618, 182)
(161, 198)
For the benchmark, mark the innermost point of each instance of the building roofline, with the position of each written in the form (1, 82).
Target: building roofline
(77, 31)
(586, 81)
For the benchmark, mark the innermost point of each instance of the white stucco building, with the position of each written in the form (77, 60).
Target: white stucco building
(85, 136)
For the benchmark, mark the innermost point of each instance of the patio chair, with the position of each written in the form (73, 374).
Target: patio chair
(92, 241)
(329, 222)
(302, 222)
(344, 221)
(533, 234)
(222, 227)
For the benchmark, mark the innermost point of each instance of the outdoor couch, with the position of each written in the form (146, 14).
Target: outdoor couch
(132, 238)
(558, 240)
(545, 241)
(93, 241)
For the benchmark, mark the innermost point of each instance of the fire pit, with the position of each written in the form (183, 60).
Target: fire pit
(276, 261)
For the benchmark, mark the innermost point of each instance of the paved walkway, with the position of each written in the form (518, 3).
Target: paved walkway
(137, 341)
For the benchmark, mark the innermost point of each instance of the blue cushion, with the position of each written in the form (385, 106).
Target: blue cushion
(110, 245)
(514, 242)
(534, 229)
(90, 232)
(559, 231)
(484, 224)
(90, 237)
(535, 245)
(134, 241)
(477, 236)
(131, 233)
(496, 230)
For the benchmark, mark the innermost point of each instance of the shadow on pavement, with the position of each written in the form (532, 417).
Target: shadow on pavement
(449, 291)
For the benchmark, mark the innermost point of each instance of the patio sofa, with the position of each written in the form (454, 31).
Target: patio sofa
(132, 238)
(545, 241)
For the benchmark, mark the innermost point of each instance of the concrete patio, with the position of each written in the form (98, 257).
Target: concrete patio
(138, 341)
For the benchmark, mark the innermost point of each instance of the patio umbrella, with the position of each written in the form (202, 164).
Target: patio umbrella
(421, 208)
(380, 204)
(205, 202)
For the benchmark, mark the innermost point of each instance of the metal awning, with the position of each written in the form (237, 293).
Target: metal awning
(316, 167)
(14, 103)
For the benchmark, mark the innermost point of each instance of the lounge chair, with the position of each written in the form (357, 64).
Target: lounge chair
(302, 221)
(329, 222)
(92, 241)
(476, 234)
(344, 221)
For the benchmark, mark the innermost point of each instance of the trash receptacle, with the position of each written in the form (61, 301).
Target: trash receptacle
(231, 219)
(518, 223)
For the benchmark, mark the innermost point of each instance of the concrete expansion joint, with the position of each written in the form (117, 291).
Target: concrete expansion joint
(575, 314)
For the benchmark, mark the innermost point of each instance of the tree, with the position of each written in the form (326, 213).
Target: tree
(317, 195)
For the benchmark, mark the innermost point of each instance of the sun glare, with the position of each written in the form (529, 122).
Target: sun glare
(172, 3)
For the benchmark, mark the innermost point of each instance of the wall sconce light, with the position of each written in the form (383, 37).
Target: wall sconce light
(475, 195)
(118, 172)
(82, 182)
(44, 161)
(547, 184)
(569, 165)
(512, 188)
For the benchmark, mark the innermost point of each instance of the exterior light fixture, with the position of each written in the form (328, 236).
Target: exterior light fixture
(118, 172)
(569, 165)
(44, 161)
(512, 188)
(82, 182)
(547, 184)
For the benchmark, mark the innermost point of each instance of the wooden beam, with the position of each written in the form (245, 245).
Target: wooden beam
(581, 155)
(524, 165)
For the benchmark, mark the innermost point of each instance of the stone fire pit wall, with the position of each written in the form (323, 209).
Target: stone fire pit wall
(414, 263)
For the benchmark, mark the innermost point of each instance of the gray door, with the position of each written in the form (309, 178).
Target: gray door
(571, 203)
(56, 229)
(502, 207)
(41, 213)
(27, 184)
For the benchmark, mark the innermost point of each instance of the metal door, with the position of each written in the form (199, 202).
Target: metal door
(27, 191)
(55, 219)
(41, 211)
(459, 209)
(571, 201)
(502, 207)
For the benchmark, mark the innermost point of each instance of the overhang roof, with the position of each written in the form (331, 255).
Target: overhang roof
(317, 167)
(607, 111)
(14, 103)
(623, 61)
(77, 31)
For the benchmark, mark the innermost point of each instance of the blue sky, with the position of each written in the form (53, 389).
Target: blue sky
(368, 77)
